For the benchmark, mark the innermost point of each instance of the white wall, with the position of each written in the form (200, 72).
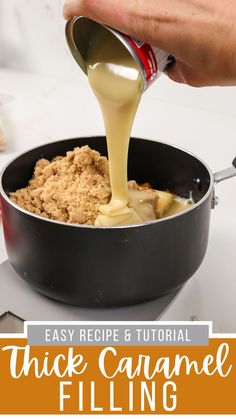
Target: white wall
(32, 37)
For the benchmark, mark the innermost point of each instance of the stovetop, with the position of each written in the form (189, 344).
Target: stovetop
(19, 302)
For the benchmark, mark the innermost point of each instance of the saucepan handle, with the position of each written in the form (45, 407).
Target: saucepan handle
(226, 174)
(220, 177)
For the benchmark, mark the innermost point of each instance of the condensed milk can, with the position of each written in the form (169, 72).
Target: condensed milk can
(151, 61)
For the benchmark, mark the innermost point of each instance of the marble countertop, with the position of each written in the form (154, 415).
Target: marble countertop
(39, 109)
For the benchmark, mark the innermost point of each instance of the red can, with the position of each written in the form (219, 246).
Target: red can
(151, 61)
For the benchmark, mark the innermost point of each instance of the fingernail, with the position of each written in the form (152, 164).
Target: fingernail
(171, 60)
(167, 66)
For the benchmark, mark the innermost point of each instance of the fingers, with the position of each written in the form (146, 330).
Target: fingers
(110, 12)
(71, 8)
(147, 20)
(182, 73)
(176, 72)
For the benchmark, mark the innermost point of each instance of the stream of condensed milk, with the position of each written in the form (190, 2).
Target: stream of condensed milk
(116, 81)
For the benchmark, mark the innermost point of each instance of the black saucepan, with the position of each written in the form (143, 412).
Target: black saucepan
(99, 266)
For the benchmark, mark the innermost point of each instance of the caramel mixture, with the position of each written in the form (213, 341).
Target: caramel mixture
(74, 187)
(69, 189)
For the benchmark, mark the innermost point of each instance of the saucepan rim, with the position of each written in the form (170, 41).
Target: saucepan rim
(93, 227)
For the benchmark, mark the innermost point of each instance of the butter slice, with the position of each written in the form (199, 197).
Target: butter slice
(164, 203)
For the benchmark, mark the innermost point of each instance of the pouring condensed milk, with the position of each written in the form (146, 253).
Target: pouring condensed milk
(119, 70)
(115, 80)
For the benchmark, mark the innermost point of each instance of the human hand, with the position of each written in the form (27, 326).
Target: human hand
(200, 34)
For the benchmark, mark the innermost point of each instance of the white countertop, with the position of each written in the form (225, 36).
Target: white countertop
(42, 109)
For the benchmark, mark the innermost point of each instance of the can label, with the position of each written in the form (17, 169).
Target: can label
(151, 60)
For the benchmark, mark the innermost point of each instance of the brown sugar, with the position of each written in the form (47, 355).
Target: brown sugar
(69, 189)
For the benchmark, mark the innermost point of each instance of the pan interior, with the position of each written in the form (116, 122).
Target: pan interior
(160, 164)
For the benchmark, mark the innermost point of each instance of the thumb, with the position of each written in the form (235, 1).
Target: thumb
(175, 72)
(182, 73)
